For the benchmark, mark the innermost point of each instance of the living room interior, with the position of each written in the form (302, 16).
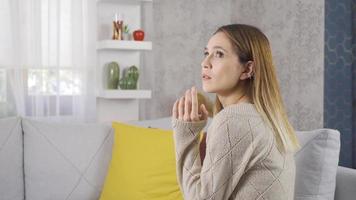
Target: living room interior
(87, 89)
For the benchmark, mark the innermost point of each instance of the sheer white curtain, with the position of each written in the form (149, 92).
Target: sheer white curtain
(47, 59)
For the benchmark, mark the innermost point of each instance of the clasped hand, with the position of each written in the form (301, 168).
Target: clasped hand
(187, 107)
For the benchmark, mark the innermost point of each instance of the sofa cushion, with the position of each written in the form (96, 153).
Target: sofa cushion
(11, 159)
(316, 164)
(345, 183)
(142, 166)
(65, 160)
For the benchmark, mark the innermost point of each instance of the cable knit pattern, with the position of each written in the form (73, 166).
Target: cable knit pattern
(242, 160)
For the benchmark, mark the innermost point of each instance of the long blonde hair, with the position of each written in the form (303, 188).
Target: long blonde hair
(251, 44)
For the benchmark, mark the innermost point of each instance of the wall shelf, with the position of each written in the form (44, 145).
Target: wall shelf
(123, 45)
(125, 94)
(117, 104)
(122, 1)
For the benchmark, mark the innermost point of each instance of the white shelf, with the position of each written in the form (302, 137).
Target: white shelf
(122, 1)
(117, 104)
(125, 94)
(124, 45)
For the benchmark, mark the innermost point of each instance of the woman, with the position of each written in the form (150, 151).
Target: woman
(250, 142)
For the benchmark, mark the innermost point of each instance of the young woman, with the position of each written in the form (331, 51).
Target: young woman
(250, 143)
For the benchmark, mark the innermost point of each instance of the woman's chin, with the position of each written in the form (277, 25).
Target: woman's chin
(207, 89)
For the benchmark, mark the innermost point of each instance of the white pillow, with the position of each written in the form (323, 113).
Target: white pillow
(11, 159)
(316, 164)
(65, 160)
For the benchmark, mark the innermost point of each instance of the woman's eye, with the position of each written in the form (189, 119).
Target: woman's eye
(219, 54)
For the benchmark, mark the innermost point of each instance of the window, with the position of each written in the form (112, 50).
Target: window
(53, 82)
(43, 63)
(56, 87)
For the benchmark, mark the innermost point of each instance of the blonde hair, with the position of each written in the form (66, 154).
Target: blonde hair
(251, 44)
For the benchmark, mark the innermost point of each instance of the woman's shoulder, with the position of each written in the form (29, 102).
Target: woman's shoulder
(239, 120)
(237, 113)
(240, 127)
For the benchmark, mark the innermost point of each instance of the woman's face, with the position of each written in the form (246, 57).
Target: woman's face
(221, 68)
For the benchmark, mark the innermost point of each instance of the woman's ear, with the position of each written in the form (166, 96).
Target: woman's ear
(249, 68)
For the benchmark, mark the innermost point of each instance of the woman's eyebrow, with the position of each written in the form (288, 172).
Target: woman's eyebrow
(215, 47)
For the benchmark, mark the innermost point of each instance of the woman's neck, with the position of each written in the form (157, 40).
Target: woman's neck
(234, 97)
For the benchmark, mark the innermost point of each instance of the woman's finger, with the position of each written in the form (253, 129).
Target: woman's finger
(194, 115)
(187, 104)
(175, 110)
(205, 112)
(181, 108)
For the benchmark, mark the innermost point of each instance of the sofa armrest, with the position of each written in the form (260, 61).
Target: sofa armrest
(345, 184)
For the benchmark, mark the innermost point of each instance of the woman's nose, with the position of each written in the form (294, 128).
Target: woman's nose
(205, 64)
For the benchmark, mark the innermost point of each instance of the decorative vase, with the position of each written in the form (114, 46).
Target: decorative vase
(118, 27)
(138, 35)
(131, 84)
(133, 74)
(129, 79)
(126, 36)
(113, 75)
(133, 71)
(123, 83)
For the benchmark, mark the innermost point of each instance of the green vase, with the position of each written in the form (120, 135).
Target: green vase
(113, 75)
(131, 83)
(133, 72)
(123, 83)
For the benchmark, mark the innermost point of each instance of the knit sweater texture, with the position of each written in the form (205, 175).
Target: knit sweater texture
(242, 160)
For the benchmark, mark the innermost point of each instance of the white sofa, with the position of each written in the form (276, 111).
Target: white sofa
(42, 160)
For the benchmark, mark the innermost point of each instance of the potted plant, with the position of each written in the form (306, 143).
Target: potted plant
(126, 32)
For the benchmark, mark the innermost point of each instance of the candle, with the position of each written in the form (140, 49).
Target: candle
(121, 17)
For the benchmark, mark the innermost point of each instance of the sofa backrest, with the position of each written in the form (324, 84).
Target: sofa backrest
(11, 159)
(316, 164)
(64, 160)
(70, 161)
(316, 161)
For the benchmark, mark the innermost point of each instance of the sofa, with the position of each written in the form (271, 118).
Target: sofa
(48, 160)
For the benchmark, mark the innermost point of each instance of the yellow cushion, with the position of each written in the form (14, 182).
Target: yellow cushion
(142, 165)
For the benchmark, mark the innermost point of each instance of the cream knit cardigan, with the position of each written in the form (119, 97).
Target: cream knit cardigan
(242, 159)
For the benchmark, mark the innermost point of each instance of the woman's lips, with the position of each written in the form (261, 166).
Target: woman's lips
(206, 77)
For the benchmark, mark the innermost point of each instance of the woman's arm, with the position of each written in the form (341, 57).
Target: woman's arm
(188, 163)
(221, 170)
(231, 151)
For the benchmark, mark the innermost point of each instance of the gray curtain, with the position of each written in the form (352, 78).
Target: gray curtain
(340, 75)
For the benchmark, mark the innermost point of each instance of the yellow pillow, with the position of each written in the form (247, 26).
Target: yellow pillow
(142, 165)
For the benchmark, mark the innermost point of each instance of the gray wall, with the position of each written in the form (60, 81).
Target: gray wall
(296, 32)
(182, 28)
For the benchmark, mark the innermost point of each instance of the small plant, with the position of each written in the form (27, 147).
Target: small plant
(126, 29)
